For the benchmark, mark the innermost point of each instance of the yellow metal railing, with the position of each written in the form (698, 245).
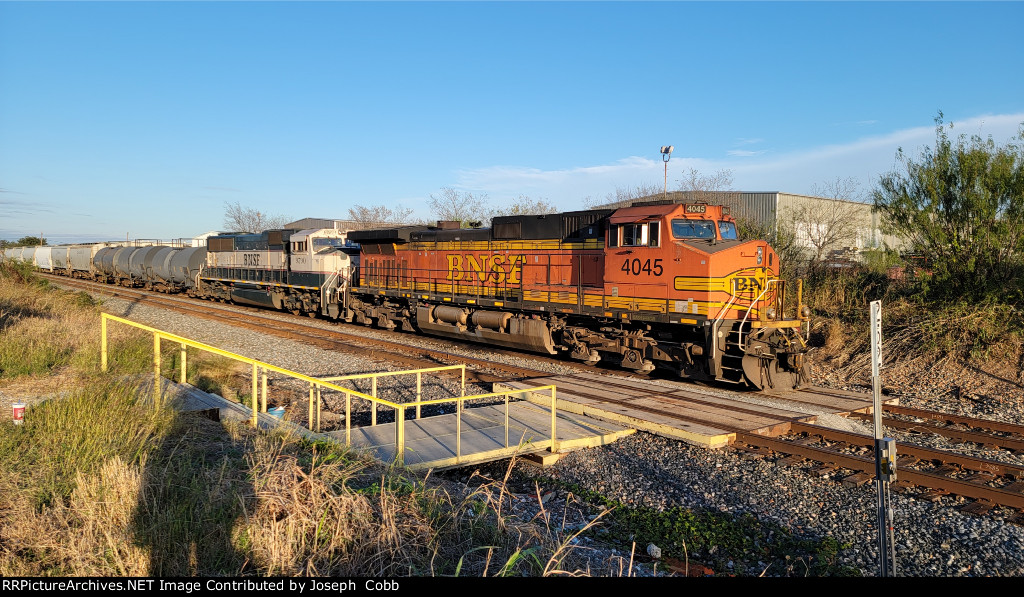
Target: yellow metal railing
(419, 383)
(316, 385)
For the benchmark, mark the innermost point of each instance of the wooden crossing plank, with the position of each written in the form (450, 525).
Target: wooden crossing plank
(825, 398)
(688, 431)
(732, 403)
(713, 415)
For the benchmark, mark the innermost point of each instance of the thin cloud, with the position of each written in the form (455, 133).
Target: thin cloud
(16, 207)
(795, 172)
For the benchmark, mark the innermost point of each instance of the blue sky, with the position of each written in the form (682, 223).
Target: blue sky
(143, 118)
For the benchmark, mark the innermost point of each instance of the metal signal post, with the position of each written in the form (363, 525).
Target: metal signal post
(885, 451)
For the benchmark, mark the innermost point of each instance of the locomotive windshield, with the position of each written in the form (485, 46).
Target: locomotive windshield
(728, 230)
(319, 244)
(693, 229)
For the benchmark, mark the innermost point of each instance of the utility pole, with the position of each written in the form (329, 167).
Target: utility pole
(666, 154)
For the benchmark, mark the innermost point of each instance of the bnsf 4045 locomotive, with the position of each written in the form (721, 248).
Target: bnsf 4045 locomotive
(664, 285)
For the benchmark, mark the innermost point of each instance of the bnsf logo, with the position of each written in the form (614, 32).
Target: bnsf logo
(497, 269)
(747, 285)
(251, 259)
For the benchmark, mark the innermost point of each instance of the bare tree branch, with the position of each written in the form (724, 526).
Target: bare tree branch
(464, 207)
(525, 206)
(239, 218)
(829, 225)
(378, 216)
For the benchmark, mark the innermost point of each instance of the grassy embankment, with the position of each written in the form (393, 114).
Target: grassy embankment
(99, 482)
(917, 332)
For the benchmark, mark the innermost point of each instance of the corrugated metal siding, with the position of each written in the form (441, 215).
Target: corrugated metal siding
(313, 223)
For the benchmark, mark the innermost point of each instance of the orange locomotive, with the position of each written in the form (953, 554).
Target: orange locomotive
(665, 285)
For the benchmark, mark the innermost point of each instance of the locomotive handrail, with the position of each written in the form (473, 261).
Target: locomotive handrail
(751, 307)
(326, 292)
(260, 369)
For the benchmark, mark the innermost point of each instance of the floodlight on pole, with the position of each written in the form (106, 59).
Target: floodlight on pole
(666, 154)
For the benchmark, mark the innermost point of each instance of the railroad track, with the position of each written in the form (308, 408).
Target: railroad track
(938, 472)
(250, 318)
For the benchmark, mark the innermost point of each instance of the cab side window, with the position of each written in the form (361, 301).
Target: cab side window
(644, 234)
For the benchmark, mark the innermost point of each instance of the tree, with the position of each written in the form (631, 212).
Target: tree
(525, 206)
(711, 188)
(828, 225)
(239, 218)
(623, 196)
(30, 241)
(962, 205)
(378, 216)
(464, 207)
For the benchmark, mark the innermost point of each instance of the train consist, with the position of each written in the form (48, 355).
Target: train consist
(653, 285)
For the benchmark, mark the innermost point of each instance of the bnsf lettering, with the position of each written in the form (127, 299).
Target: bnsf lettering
(636, 267)
(495, 269)
(748, 284)
(251, 259)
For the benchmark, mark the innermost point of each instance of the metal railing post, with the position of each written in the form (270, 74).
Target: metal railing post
(458, 430)
(309, 419)
(103, 342)
(373, 404)
(554, 437)
(419, 392)
(319, 406)
(348, 419)
(156, 369)
(184, 363)
(506, 419)
(400, 434)
(263, 391)
(255, 392)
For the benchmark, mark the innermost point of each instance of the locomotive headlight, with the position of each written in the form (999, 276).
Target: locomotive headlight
(770, 312)
(760, 255)
(805, 312)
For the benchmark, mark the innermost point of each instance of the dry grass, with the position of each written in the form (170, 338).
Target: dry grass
(46, 331)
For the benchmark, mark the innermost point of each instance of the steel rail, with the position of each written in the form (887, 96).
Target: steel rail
(955, 419)
(867, 465)
(1008, 443)
(920, 452)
